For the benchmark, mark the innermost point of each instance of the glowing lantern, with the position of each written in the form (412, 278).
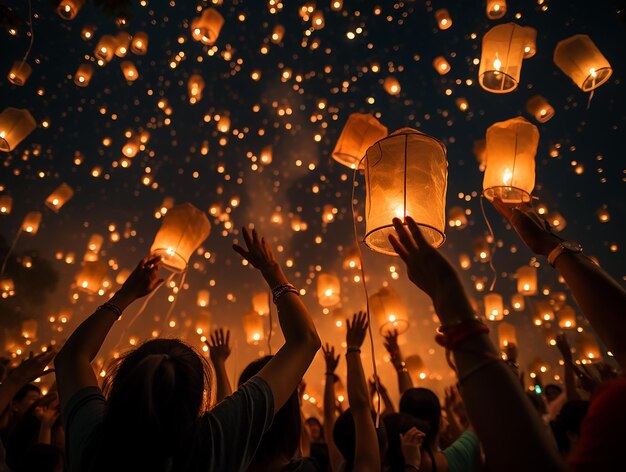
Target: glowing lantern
(482, 250)
(441, 65)
(392, 86)
(360, 132)
(406, 174)
(341, 394)
(588, 348)
(29, 329)
(298, 225)
(388, 311)
(501, 58)
(414, 364)
(603, 215)
(19, 73)
(266, 155)
(123, 41)
(131, 148)
(139, 43)
(68, 9)
(496, 9)
(261, 303)
(183, 229)
(223, 125)
(530, 46)
(15, 125)
(339, 317)
(122, 275)
(556, 221)
(253, 328)
(317, 20)
(537, 366)
(59, 197)
(510, 172)
(480, 152)
(464, 261)
(203, 298)
(517, 302)
(328, 290)
(580, 59)
(506, 334)
(443, 19)
(203, 322)
(567, 317)
(105, 49)
(539, 108)
(7, 288)
(494, 306)
(31, 222)
(83, 75)
(351, 261)
(87, 32)
(207, 27)
(6, 203)
(527, 280)
(457, 218)
(129, 70)
(91, 276)
(543, 312)
(462, 103)
(278, 33)
(195, 86)
(328, 214)
(336, 5)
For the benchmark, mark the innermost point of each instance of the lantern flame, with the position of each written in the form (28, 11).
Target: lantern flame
(508, 176)
(497, 63)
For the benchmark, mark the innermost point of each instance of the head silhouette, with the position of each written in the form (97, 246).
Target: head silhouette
(424, 405)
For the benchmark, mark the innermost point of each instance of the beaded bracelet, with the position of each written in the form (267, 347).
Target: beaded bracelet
(353, 349)
(282, 289)
(111, 307)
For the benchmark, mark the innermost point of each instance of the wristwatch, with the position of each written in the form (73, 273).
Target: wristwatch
(570, 246)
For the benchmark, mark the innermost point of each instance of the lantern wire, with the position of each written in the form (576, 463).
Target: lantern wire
(10, 251)
(180, 286)
(492, 249)
(32, 31)
(269, 314)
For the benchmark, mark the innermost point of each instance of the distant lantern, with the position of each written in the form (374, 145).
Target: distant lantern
(580, 59)
(501, 58)
(328, 213)
(195, 87)
(494, 306)
(603, 215)
(392, 86)
(317, 19)
(496, 9)
(543, 312)
(129, 70)
(7, 287)
(441, 65)
(203, 298)
(414, 364)
(29, 329)
(261, 303)
(183, 229)
(91, 276)
(31, 222)
(6, 204)
(537, 366)
(277, 34)
(223, 125)
(443, 19)
(266, 155)
(530, 45)
(481, 249)
(539, 107)
(206, 28)
(389, 311)
(122, 276)
(203, 322)
(567, 317)
(139, 43)
(19, 73)
(253, 328)
(59, 197)
(336, 5)
(506, 334)
(406, 174)
(517, 302)
(527, 280)
(328, 290)
(87, 32)
(480, 152)
(68, 9)
(15, 125)
(464, 261)
(83, 75)
(588, 348)
(462, 103)
(457, 218)
(339, 317)
(556, 221)
(105, 49)
(131, 148)
(360, 132)
(123, 42)
(510, 172)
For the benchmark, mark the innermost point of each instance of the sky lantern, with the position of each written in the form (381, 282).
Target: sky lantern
(19, 73)
(496, 9)
(441, 65)
(317, 19)
(7, 287)
(277, 34)
(336, 5)
(444, 21)
(183, 229)
(203, 322)
(530, 45)
(31, 222)
(464, 261)
(406, 174)
(501, 58)
(462, 103)
(588, 348)
(603, 215)
(59, 197)
(83, 75)
(517, 302)
(480, 152)
(91, 276)
(93, 247)
(481, 249)
(87, 32)
(131, 148)
(506, 334)
(414, 364)
(68, 9)
(195, 86)
(15, 125)
(206, 28)
(339, 317)
(328, 213)
(253, 328)
(29, 329)
(203, 298)
(580, 59)
(123, 42)
(105, 49)
(567, 317)
(266, 155)
(223, 124)
(328, 290)
(6, 204)
(457, 218)
(494, 306)
(122, 275)
(351, 259)
(139, 43)
(556, 221)
(389, 311)
(129, 70)
(261, 303)
(539, 107)
(510, 172)
(392, 86)
(543, 312)
(527, 280)
(360, 132)
(537, 366)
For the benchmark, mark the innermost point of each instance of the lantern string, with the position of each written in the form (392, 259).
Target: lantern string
(492, 249)
(367, 301)
(180, 286)
(590, 97)
(269, 334)
(32, 31)
(10, 251)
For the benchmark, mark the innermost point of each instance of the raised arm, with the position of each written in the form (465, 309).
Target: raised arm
(601, 298)
(366, 452)
(284, 372)
(384, 395)
(73, 362)
(391, 344)
(334, 455)
(219, 350)
(496, 404)
(569, 377)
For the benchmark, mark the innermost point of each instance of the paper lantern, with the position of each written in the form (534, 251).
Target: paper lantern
(464, 261)
(328, 290)
(131, 148)
(443, 19)
(494, 306)
(506, 334)
(31, 222)
(457, 218)
(588, 348)
(603, 215)
(392, 86)
(567, 317)
(223, 125)
(91, 276)
(261, 303)
(388, 311)
(462, 103)
(277, 34)
(580, 59)
(7, 287)
(543, 312)
(59, 197)
(351, 259)
(537, 366)
(328, 213)
(203, 323)
(105, 49)
(15, 125)
(481, 249)
(266, 155)
(517, 302)
(556, 221)
(87, 32)
(480, 152)
(360, 132)
(527, 280)
(122, 40)
(501, 58)
(83, 75)
(496, 9)
(203, 298)
(129, 70)
(479, 284)
(195, 86)
(139, 43)
(19, 73)
(341, 394)
(414, 364)
(336, 5)
(206, 28)
(530, 45)
(183, 229)
(339, 317)
(510, 172)
(29, 329)
(253, 328)
(122, 276)
(317, 20)
(6, 204)
(68, 9)
(406, 174)
(539, 107)
(441, 65)
(95, 243)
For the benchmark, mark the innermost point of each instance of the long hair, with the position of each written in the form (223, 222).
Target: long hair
(155, 395)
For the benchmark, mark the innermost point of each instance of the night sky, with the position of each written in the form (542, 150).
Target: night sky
(300, 115)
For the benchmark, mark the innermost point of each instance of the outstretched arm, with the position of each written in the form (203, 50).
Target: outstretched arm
(404, 378)
(219, 350)
(329, 406)
(569, 376)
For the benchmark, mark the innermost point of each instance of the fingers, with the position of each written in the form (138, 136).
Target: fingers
(255, 239)
(227, 337)
(417, 233)
(242, 252)
(247, 238)
(398, 247)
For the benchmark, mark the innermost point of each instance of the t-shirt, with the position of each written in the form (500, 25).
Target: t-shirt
(462, 455)
(230, 432)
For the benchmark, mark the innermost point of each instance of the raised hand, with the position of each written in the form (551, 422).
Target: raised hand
(48, 413)
(411, 444)
(258, 252)
(143, 280)
(511, 352)
(33, 367)
(355, 334)
(219, 345)
(329, 357)
(391, 343)
(564, 348)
